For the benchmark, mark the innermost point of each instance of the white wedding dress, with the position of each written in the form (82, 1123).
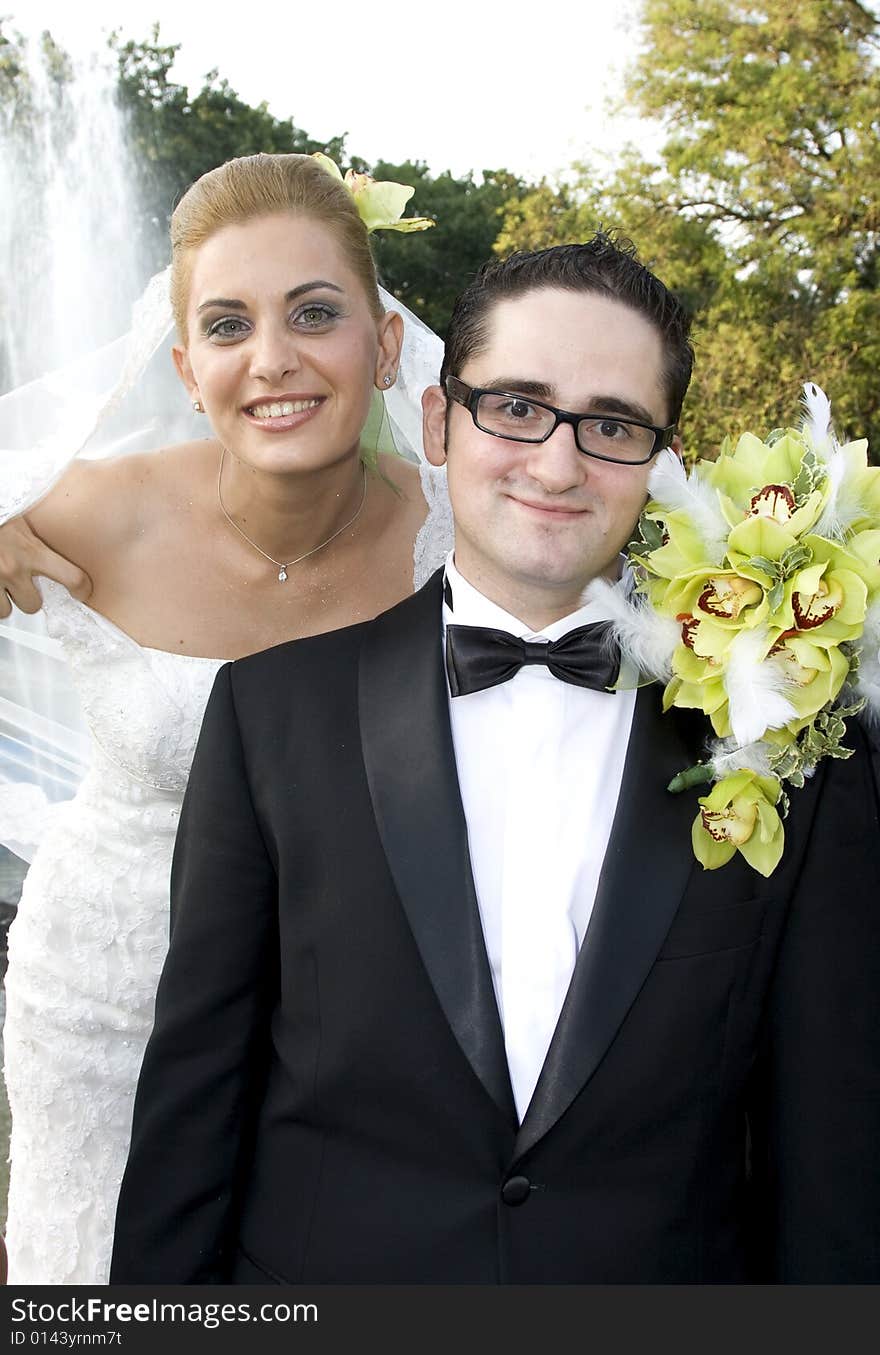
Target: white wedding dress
(90, 936)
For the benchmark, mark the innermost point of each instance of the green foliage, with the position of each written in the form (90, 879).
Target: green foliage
(773, 115)
(545, 215)
(822, 738)
(428, 270)
(15, 94)
(13, 81)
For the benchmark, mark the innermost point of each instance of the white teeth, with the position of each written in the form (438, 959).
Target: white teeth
(278, 409)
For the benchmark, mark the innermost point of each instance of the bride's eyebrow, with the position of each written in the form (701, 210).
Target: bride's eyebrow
(226, 302)
(230, 303)
(311, 287)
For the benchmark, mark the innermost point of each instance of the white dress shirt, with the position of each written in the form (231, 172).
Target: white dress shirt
(540, 763)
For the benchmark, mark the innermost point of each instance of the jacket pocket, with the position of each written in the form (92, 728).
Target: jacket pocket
(702, 931)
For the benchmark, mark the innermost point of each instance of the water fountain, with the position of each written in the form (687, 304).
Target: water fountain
(69, 266)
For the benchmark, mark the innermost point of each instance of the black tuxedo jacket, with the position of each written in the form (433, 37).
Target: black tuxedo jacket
(325, 1097)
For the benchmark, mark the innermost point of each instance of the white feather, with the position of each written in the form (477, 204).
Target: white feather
(817, 419)
(647, 640)
(843, 506)
(755, 688)
(727, 756)
(846, 504)
(675, 490)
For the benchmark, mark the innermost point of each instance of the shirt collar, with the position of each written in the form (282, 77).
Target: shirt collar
(473, 608)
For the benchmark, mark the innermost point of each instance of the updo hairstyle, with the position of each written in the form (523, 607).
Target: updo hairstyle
(257, 185)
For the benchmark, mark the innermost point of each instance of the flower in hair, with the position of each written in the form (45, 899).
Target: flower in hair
(757, 602)
(380, 203)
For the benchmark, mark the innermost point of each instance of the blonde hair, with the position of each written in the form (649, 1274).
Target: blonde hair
(258, 185)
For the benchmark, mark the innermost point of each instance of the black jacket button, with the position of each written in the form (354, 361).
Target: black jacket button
(516, 1190)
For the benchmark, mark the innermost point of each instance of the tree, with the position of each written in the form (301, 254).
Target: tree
(178, 139)
(16, 103)
(763, 212)
(428, 270)
(774, 116)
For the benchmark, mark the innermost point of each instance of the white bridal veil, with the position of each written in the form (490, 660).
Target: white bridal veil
(122, 398)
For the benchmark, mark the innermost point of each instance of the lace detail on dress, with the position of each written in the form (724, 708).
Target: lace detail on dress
(146, 721)
(435, 538)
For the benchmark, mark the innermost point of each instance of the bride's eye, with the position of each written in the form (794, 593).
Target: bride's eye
(315, 315)
(227, 328)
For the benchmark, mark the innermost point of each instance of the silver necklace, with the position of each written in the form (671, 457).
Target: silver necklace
(284, 566)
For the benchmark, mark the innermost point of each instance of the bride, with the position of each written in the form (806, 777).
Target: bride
(281, 524)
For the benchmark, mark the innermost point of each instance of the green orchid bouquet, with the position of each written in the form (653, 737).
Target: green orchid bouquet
(757, 601)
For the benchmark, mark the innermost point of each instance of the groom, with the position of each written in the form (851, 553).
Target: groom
(448, 998)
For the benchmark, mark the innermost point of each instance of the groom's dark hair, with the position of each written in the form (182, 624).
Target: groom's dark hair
(605, 264)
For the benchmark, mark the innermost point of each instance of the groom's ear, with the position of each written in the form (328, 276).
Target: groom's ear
(434, 424)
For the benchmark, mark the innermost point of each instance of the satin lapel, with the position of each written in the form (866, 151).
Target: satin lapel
(645, 872)
(410, 763)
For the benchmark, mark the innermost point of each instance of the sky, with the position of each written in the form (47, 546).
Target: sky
(458, 84)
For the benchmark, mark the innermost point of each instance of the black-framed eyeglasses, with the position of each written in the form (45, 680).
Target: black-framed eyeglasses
(519, 418)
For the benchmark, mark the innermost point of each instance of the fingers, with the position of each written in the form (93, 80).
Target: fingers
(22, 591)
(64, 571)
(22, 556)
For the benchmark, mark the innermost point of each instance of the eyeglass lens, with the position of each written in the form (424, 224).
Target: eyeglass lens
(510, 416)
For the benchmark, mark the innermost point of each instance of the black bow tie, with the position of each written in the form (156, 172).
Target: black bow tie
(478, 657)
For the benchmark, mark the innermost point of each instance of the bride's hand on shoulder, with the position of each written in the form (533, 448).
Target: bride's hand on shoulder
(23, 555)
(76, 532)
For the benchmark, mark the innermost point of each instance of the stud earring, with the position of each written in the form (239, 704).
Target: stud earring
(197, 406)
(387, 379)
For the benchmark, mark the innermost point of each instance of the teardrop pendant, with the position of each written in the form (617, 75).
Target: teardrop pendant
(282, 575)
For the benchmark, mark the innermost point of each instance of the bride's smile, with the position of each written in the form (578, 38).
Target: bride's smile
(282, 412)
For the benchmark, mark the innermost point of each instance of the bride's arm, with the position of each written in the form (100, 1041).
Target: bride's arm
(70, 532)
(22, 556)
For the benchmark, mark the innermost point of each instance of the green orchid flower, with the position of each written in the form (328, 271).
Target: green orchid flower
(380, 202)
(722, 596)
(814, 675)
(864, 550)
(681, 549)
(754, 464)
(759, 538)
(697, 684)
(826, 602)
(861, 484)
(739, 815)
